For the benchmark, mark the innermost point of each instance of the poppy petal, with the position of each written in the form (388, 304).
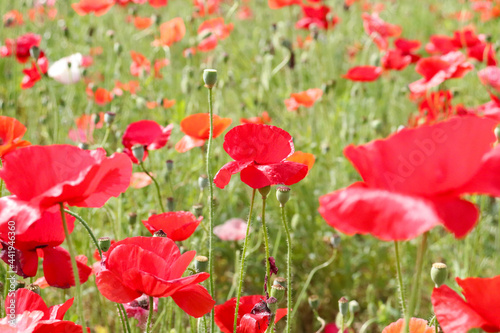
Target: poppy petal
(223, 176)
(478, 293)
(458, 216)
(187, 143)
(194, 300)
(58, 270)
(288, 173)
(363, 73)
(111, 287)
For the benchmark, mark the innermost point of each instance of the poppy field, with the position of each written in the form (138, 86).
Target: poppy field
(249, 166)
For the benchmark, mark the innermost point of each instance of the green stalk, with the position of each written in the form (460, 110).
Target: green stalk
(288, 269)
(266, 245)
(210, 209)
(242, 264)
(416, 282)
(150, 314)
(106, 136)
(87, 227)
(125, 317)
(76, 275)
(400, 278)
(158, 192)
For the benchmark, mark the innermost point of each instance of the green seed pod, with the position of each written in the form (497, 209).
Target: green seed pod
(283, 195)
(354, 306)
(313, 302)
(160, 233)
(264, 191)
(34, 288)
(109, 118)
(280, 281)
(343, 306)
(170, 204)
(278, 292)
(132, 218)
(83, 146)
(272, 304)
(35, 52)
(198, 210)
(104, 243)
(210, 77)
(203, 182)
(201, 263)
(138, 152)
(439, 272)
(170, 165)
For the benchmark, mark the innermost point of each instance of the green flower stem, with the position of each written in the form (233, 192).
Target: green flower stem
(242, 264)
(150, 315)
(400, 277)
(210, 209)
(288, 269)
(124, 328)
(106, 136)
(266, 245)
(271, 323)
(87, 227)
(321, 321)
(158, 192)
(416, 282)
(76, 275)
(308, 281)
(341, 323)
(125, 317)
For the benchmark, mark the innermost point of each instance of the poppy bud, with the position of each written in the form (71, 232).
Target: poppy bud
(170, 204)
(110, 34)
(109, 118)
(132, 218)
(83, 146)
(20, 284)
(439, 272)
(34, 288)
(210, 77)
(104, 243)
(280, 281)
(201, 264)
(170, 166)
(91, 31)
(335, 241)
(343, 306)
(35, 52)
(278, 292)
(160, 233)
(272, 304)
(283, 195)
(377, 125)
(138, 152)
(156, 19)
(497, 133)
(118, 48)
(203, 182)
(264, 191)
(354, 306)
(313, 302)
(198, 210)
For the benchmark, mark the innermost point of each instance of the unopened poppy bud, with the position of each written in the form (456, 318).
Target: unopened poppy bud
(210, 77)
(335, 241)
(83, 145)
(313, 302)
(497, 133)
(104, 243)
(198, 210)
(343, 306)
(272, 304)
(34, 288)
(264, 191)
(96, 118)
(354, 306)
(200, 264)
(91, 31)
(109, 118)
(118, 48)
(439, 272)
(203, 182)
(377, 125)
(278, 292)
(20, 284)
(132, 218)
(170, 165)
(156, 19)
(280, 281)
(110, 34)
(283, 195)
(170, 204)
(35, 52)
(138, 152)
(160, 233)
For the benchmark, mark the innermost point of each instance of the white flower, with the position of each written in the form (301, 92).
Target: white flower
(67, 70)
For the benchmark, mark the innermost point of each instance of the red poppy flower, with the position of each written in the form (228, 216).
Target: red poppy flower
(178, 226)
(38, 234)
(440, 44)
(318, 16)
(158, 3)
(102, 96)
(305, 98)
(159, 64)
(208, 44)
(98, 7)
(13, 18)
(33, 315)
(408, 47)
(171, 32)
(490, 77)
(437, 69)
(11, 134)
(146, 133)
(302, 158)
(259, 153)
(263, 119)
(21, 46)
(82, 178)
(197, 130)
(247, 322)
(395, 60)
(412, 183)
(131, 87)
(434, 107)
(379, 30)
(140, 64)
(479, 309)
(142, 23)
(483, 52)
(217, 27)
(277, 4)
(168, 103)
(85, 126)
(363, 73)
(206, 7)
(416, 326)
(152, 266)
